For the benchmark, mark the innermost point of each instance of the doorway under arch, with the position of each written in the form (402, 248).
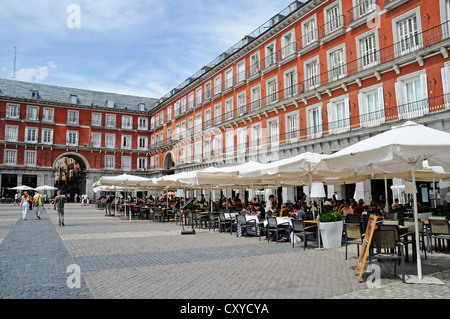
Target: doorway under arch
(70, 174)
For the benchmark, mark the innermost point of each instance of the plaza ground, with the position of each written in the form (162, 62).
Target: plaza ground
(142, 259)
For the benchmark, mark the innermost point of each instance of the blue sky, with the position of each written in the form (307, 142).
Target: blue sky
(137, 47)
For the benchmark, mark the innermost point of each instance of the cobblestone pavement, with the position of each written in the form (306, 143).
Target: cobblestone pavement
(119, 259)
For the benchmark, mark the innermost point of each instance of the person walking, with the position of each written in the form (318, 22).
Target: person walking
(37, 203)
(58, 205)
(24, 205)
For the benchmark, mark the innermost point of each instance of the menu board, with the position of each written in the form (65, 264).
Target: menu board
(366, 245)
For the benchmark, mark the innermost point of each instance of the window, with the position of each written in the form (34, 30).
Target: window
(217, 114)
(273, 133)
(229, 144)
(10, 157)
(290, 83)
(241, 107)
(183, 104)
(96, 139)
(142, 163)
(256, 97)
(110, 161)
(254, 63)
(241, 140)
(272, 91)
(31, 135)
(190, 152)
(309, 28)
(30, 158)
(11, 133)
(72, 117)
(47, 136)
(12, 111)
(406, 32)
(110, 140)
(333, 18)
(312, 74)
(198, 150)
(338, 115)
(411, 93)
(207, 118)
(96, 119)
(240, 71)
(336, 63)
(183, 129)
(169, 113)
(218, 84)
(142, 123)
(292, 127)
(271, 54)
(199, 98)
(367, 50)
(256, 137)
(229, 78)
(177, 109)
(110, 120)
(314, 120)
(288, 44)
(217, 145)
(191, 125)
(126, 163)
(198, 122)
(191, 101)
(207, 148)
(208, 90)
(229, 109)
(445, 74)
(371, 107)
(127, 122)
(32, 113)
(72, 138)
(161, 118)
(47, 115)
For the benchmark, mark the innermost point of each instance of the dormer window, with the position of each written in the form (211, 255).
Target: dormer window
(34, 95)
(73, 99)
(110, 104)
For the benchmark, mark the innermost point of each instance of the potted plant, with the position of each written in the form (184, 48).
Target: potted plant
(331, 226)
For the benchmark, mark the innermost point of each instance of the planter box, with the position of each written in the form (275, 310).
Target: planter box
(331, 234)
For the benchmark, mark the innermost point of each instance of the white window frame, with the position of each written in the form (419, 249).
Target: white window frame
(110, 140)
(402, 47)
(73, 117)
(110, 162)
(127, 122)
(412, 109)
(229, 78)
(315, 130)
(376, 117)
(11, 133)
(30, 158)
(12, 111)
(290, 82)
(229, 113)
(292, 121)
(126, 163)
(110, 120)
(370, 60)
(342, 68)
(309, 36)
(46, 131)
(241, 134)
(270, 51)
(241, 103)
(198, 96)
(312, 81)
(48, 115)
(10, 157)
(272, 90)
(72, 138)
(96, 119)
(35, 135)
(240, 71)
(141, 163)
(331, 25)
(96, 139)
(338, 114)
(255, 96)
(32, 113)
(143, 123)
(218, 84)
(288, 44)
(255, 63)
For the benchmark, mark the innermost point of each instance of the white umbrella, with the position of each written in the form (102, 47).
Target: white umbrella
(22, 188)
(45, 188)
(401, 149)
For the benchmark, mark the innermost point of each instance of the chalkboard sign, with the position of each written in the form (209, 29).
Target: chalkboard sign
(366, 245)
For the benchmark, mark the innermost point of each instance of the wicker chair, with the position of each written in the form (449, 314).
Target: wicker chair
(393, 249)
(440, 231)
(353, 236)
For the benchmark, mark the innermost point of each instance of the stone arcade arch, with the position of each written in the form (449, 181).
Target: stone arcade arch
(169, 161)
(82, 166)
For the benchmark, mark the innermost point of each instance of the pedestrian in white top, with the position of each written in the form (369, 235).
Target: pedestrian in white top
(24, 205)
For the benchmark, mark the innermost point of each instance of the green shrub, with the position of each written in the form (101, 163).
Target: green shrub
(330, 217)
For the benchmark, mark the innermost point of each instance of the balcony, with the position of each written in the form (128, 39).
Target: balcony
(309, 41)
(392, 4)
(361, 13)
(332, 29)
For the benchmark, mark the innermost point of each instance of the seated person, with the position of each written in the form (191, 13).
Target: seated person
(298, 212)
(345, 209)
(284, 211)
(395, 205)
(359, 209)
(259, 211)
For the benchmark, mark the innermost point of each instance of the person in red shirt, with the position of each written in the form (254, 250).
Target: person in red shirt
(359, 209)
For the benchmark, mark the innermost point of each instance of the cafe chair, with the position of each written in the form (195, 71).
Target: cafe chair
(213, 221)
(242, 224)
(390, 216)
(393, 250)
(273, 227)
(409, 236)
(225, 223)
(157, 214)
(353, 236)
(390, 222)
(440, 231)
(353, 219)
(299, 229)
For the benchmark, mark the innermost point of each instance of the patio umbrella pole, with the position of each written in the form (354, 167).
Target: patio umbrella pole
(416, 223)
(386, 208)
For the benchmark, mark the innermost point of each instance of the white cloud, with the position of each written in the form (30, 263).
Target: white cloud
(37, 74)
